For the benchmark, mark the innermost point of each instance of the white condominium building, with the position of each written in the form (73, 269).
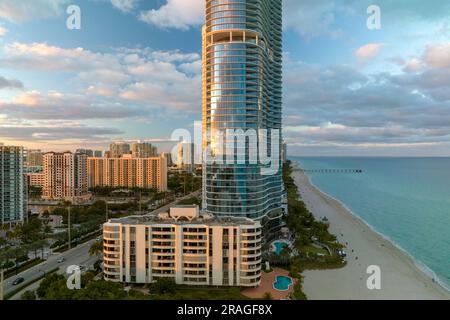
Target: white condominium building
(185, 245)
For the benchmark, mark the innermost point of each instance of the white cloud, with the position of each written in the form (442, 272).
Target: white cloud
(151, 79)
(177, 14)
(438, 56)
(19, 11)
(369, 51)
(3, 31)
(125, 5)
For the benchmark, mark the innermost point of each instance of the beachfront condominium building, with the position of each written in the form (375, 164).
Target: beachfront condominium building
(183, 245)
(118, 149)
(144, 150)
(128, 172)
(242, 91)
(186, 156)
(13, 195)
(65, 176)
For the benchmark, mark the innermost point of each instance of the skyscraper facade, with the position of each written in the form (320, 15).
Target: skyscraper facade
(128, 172)
(242, 90)
(118, 149)
(13, 195)
(144, 150)
(186, 156)
(65, 176)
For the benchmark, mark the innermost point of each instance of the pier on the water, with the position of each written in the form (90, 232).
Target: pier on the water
(330, 170)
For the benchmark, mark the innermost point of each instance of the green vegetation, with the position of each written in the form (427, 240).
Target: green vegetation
(115, 191)
(183, 183)
(27, 284)
(190, 201)
(311, 239)
(96, 249)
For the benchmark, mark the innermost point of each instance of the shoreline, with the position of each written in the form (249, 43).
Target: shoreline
(401, 276)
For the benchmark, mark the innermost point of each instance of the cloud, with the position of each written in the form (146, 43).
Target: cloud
(125, 5)
(369, 51)
(310, 18)
(10, 83)
(61, 131)
(3, 31)
(438, 56)
(20, 11)
(33, 105)
(177, 14)
(153, 79)
(337, 109)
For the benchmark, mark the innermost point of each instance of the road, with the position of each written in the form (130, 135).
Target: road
(167, 206)
(76, 256)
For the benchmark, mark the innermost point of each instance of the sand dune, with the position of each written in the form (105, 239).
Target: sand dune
(400, 277)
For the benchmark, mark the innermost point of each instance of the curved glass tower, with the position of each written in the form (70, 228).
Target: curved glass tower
(242, 90)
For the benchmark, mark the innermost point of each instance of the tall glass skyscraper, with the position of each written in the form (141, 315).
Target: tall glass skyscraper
(242, 90)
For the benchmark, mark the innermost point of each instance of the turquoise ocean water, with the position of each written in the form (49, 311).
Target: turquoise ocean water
(407, 200)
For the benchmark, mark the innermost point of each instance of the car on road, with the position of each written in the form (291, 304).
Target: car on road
(61, 260)
(18, 281)
(83, 267)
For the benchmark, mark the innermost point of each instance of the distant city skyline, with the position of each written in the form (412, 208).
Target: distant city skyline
(133, 72)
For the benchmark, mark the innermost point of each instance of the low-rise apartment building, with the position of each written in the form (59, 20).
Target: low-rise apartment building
(185, 245)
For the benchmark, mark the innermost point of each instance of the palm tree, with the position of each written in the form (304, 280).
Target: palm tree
(96, 249)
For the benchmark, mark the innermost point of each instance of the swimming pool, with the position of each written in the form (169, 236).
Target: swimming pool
(282, 283)
(279, 246)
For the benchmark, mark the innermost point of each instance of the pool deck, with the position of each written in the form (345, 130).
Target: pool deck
(267, 280)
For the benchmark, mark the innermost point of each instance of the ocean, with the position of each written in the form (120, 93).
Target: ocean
(406, 200)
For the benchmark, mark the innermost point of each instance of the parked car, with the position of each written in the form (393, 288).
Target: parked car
(18, 281)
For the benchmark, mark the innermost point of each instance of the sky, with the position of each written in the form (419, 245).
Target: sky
(133, 72)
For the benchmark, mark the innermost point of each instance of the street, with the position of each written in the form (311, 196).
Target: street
(76, 256)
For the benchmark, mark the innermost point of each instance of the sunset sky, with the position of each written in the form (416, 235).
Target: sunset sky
(133, 72)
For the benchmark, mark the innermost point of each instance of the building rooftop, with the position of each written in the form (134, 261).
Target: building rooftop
(184, 215)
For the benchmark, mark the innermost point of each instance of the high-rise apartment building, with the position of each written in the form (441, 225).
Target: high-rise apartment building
(34, 158)
(13, 195)
(184, 245)
(128, 172)
(35, 179)
(186, 156)
(143, 150)
(65, 176)
(118, 149)
(90, 153)
(242, 90)
(168, 156)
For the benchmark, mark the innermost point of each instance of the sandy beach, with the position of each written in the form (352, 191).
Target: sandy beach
(400, 277)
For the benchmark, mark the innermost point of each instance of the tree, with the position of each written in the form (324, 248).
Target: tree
(163, 286)
(267, 296)
(28, 295)
(96, 249)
